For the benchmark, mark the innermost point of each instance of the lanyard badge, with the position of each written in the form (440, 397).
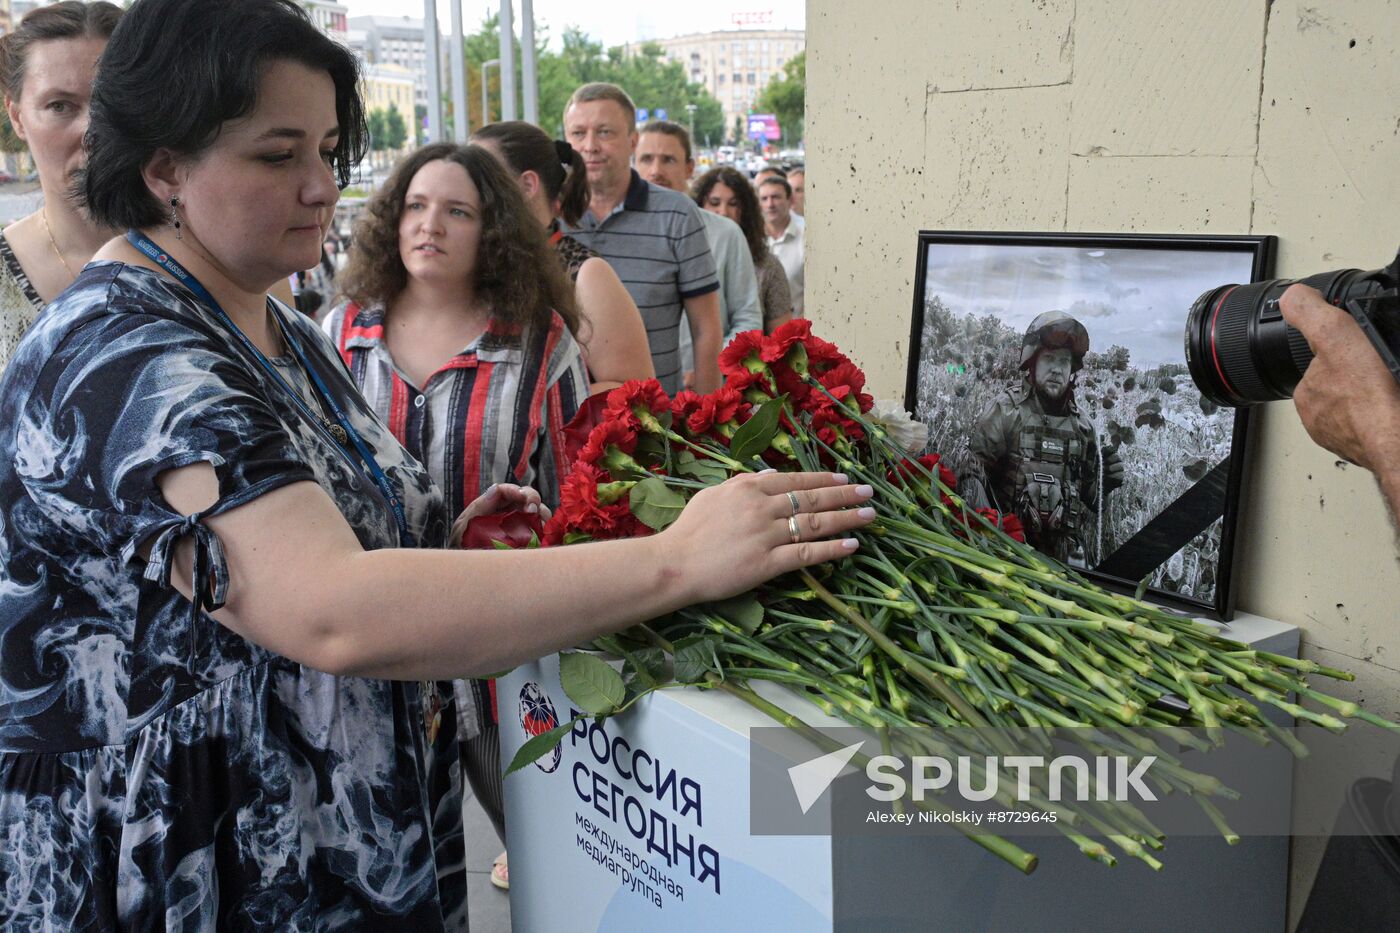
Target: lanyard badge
(356, 448)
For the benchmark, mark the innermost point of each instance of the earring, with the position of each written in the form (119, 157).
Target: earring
(175, 216)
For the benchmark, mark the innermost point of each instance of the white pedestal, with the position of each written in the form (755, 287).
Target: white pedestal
(578, 863)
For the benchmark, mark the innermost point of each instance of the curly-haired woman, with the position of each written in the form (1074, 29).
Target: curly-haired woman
(459, 331)
(725, 191)
(460, 325)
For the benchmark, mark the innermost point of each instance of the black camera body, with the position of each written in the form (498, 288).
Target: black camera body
(1241, 351)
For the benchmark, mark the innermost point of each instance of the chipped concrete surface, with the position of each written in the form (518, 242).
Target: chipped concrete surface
(1265, 116)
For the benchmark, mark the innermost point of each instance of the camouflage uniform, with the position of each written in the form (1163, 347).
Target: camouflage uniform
(1043, 466)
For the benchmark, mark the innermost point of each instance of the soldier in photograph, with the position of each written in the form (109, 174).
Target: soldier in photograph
(1036, 455)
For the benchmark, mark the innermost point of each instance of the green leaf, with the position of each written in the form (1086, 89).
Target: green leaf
(591, 683)
(744, 611)
(539, 746)
(754, 435)
(651, 448)
(647, 665)
(707, 471)
(695, 657)
(655, 504)
(576, 537)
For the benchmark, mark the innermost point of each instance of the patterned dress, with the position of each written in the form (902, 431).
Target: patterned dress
(157, 770)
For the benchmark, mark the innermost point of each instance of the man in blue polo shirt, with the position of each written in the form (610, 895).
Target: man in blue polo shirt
(654, 238)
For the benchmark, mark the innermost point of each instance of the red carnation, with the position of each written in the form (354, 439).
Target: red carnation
(776, 346)
(515, 529)
(612, 433)
(798, 390)
(639, 401)
(1011, 524)
(721, 406)
(751, 384)
(823, 356)
(743, 355)
(847, 376)
(685, 404)
(581, 511)
(590, 414)
(931, 462)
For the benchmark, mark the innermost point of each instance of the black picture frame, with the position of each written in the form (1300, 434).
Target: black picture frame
(1010, 277)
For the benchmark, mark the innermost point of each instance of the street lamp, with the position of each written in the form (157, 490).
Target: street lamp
(690, 110)
(486, 90)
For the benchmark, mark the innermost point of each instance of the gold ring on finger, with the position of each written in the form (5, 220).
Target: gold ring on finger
(794, 533)
(792, 497)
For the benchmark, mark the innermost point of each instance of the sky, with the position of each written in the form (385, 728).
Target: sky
(1138, 299)
(614, 21)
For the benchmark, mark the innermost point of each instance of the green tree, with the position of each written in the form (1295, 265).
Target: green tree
(9, 140)
(652, 81)
(377, 123)
(395, 130)
(786, 98)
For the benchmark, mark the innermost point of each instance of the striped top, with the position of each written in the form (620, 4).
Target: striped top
(494, 413)
(655, 241)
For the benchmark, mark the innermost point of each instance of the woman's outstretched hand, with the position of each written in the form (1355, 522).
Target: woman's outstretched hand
(736, 535)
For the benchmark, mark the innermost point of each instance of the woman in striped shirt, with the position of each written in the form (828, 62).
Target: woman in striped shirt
(460, 332)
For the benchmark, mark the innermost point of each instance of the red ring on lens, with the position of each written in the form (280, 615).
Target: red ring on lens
(1219, 371)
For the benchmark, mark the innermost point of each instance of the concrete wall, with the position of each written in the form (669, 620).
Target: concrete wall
(1201, 116)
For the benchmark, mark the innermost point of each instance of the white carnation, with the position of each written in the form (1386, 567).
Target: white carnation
(903, 429)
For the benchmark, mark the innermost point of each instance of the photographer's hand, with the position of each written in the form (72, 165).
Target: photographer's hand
(1347, 399)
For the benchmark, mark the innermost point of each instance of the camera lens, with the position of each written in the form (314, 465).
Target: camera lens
(1239, 348)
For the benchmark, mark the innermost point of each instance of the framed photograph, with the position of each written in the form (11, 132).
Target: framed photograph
(1051, 370)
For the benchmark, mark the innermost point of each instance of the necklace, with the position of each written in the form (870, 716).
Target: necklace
(44, 215)
(336, 431)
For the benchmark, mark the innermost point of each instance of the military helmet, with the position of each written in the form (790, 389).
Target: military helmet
(1055, 330)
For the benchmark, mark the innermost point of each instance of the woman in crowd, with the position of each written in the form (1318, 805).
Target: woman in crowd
(213, 617)
(46, 68)
(459, 333)
(552, 176)
(725, 191)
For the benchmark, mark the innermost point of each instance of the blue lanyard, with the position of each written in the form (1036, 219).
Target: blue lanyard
(362, 451)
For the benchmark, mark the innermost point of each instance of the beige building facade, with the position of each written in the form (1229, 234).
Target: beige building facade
(733, 65)
(385, 86)
(1199, 116)
(393, 40)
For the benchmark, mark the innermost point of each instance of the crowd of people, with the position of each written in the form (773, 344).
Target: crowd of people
(237, 628)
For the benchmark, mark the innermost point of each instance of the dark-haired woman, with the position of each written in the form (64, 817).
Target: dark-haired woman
(46, 69)
(725, 191)
(552, 176)
(459, 333)
(213, 617)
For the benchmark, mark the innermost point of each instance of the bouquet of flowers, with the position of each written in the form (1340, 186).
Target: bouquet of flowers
(944, 617)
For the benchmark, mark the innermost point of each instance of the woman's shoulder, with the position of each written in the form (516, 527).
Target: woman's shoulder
(346, 317)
